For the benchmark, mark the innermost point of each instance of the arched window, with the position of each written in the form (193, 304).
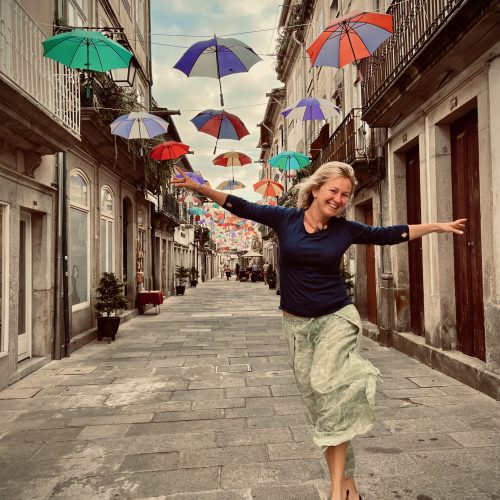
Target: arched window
(107, 231)
(79, 239)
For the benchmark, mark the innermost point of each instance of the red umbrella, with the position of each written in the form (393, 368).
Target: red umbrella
(232, 159)
(350, 38)
(267, 187)
(169, 150)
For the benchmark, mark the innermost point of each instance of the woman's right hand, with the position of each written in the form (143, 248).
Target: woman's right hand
(185, 181)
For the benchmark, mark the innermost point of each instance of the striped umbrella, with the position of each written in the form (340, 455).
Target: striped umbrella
(268, 187)
(139, 125)
(289, 160)
(311, 108)
(230, 185)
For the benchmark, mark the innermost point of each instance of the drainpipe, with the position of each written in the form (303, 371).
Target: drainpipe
(304, 83)
(63, 190)
(58, 263)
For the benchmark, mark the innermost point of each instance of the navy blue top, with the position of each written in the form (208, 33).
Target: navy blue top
(310, 280)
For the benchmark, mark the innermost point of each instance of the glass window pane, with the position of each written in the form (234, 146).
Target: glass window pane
(21, 297)
(106, 202)
(78, 191)
(110, 247)
(102, 243)
(79, 255)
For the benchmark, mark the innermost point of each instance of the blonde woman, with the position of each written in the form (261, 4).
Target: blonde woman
(321, 325)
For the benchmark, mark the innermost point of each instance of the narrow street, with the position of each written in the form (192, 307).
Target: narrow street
(199, 402)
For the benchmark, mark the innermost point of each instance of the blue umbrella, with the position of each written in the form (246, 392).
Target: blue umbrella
(311, 108)
(216, 58)
(289, 160)
(139, 125)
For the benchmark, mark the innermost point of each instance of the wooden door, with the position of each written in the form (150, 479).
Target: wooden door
(467, 248)
(371, 280)
(415, 246)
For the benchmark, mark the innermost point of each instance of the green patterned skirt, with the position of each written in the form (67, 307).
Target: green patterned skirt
(337, 385)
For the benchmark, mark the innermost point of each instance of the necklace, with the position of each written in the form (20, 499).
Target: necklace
(318, 227)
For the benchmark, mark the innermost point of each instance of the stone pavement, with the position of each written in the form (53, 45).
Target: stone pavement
(199, 402)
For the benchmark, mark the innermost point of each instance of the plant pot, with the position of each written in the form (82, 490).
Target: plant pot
(180, 289)
(272, 285)
(107, 327)
(194, 283)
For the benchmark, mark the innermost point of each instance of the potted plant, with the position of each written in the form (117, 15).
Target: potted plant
(109, 300)
(271, 277)
(182, 275)
(193, 276)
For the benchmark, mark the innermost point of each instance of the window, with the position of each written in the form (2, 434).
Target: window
(79, 240)
(107, 231)
(139, 16)
(334, 9)
(4, 276)
(76, 12)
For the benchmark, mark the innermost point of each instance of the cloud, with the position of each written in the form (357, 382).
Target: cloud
(244, 94)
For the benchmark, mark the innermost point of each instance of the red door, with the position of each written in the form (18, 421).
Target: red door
(467, 248)
(415, 246)
(371, 283)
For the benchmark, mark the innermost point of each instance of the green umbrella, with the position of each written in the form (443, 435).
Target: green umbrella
(289, 160)
(89, 50)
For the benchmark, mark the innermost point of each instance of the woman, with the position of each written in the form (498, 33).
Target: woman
(320, 323)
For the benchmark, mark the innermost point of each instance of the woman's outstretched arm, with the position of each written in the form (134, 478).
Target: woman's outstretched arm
(188, 183)
(419, 230)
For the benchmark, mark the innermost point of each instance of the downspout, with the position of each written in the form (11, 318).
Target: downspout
(58, 263)
(64, 247)
(304, 83)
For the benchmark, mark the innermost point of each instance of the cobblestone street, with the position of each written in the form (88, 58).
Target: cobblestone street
(199, 402)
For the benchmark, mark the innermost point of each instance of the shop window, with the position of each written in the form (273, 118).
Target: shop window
(79, 240)
(107, 231)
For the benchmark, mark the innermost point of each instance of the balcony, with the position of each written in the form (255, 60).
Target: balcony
(433, 41)
(40, 104)
(352, 142)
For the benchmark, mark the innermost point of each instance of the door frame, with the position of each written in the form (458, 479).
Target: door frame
(24, 341)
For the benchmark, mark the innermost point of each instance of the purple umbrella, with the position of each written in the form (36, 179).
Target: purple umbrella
(311, 108)
(216, 58)
(195, 177)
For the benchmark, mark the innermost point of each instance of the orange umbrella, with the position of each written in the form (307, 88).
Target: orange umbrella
(267, 187)
(169, 150)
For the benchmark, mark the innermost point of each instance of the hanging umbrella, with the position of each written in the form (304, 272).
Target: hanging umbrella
(169, 150)
(289, 160)
(216, 58)
(230, 185)
(252, 253)
(196, 211)
(189, 198)
(267, 187)
(220, 124)
(139, 125)
(350, 38)
(232, 159)
(311, 108)
(195, 177)
(88, 50)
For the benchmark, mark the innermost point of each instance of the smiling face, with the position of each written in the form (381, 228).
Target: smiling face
(331, 197)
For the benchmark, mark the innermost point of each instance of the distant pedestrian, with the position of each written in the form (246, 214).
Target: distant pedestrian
(265, 268)
(221, 270)
(321, 325)
(227, 270)
(237, 271)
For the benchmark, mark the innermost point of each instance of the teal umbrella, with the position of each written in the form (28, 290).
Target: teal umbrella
(289, 160)
(88, 50)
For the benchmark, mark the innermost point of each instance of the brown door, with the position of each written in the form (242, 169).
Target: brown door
(415, 246)
(371, 283)
(467, 248)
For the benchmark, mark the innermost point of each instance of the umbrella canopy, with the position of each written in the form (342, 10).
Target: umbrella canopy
(289, 160)
(230, 185)
(216, 58)
(232, 159)
(169, 150)
(196, 211)
(139, 125)
(268, 187)
(220, 124)
(311, 108)
(195, 177)
(350, 38)
(89, 50)
(189, 198)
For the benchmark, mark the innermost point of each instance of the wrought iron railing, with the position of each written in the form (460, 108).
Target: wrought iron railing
(414, 24)
(54, 86)
(352, 141)
(171, 207)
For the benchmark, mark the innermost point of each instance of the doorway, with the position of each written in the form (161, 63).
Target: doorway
(24, 297)
(415, 246)
(467, 247)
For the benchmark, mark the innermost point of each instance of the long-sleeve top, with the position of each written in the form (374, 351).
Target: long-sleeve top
(311, 284)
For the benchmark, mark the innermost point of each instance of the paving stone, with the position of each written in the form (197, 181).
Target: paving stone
(294, 492)
(277, 421)
(224, 456)
(188, 415)
(246, 437)
(16, 393)
(150, 461)
(288, 451)
(102, 431)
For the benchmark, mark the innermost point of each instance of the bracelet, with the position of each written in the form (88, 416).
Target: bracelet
(198, 187)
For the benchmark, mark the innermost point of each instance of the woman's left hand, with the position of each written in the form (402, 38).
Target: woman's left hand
(457, 226)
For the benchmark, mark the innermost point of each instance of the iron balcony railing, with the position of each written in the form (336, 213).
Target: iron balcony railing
(352, 141)
(171, 207)
(414, 25)
(55, 87)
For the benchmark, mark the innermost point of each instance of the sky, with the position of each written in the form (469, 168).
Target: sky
(244, 93)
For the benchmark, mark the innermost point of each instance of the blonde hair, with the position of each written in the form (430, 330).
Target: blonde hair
(330, 170)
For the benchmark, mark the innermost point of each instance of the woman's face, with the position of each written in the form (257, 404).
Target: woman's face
(332, 196)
